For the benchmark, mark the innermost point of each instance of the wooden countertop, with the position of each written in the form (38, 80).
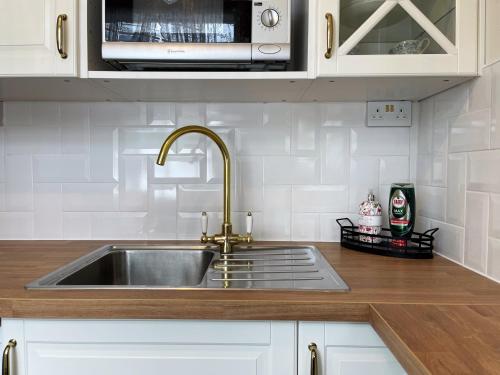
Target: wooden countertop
(436, 316)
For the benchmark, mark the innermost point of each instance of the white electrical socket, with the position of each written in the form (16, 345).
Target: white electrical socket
(391, 114)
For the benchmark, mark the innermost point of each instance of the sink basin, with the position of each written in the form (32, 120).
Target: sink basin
(195, 267)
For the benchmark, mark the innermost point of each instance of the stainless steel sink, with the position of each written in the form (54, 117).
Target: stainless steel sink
(173, 267)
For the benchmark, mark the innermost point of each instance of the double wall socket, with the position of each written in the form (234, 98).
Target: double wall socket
(389, 113)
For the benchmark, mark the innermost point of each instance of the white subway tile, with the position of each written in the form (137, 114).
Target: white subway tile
(178, 169)
(455, 195)
(117, 114)
(305, 127)
(276, 226)
(394, 169)
(330, 229)
(480, 175)
(19, 183)
(335, 143)
(249, 184)
(45, 113)
(424, 169)
(363, 180)
(439, 170)
(383, 198)
(425, 127)
(343, 114)
(77, 225)
(494, 230)
(104, 154)
(278, 115)
(495, 107)
(305, 227)
(118, 225)
(263, 141)
(75, 139)
(476, 231)
(277, 197)
(190, 114)
(48, 211)
(133, 183)
(2, 197)
(74, 115)
(32, 140)
(321, 198)
(2, 154)
(440, 136)
(494, 258)
(16, 225)
(88, 197)
(380, 141)
(142, 141)
(160, 114)
(199, 198)
(161, 220)
(452, 102)
(235, 115)
(286, 170)
(431, 202)
(60, 168)
(480, 90)
(17, 113)
(449, 240)
(470, 132)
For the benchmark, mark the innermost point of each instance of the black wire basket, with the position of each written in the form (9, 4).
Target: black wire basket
(419, 246)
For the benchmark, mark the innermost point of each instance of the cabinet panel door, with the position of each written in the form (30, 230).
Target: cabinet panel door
(326, 65)
(160, 347)
(28, 44)
(345, 349)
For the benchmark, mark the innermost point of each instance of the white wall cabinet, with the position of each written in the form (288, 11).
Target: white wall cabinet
(396, 37)
(345, 349)
(29, 38)
(78, 347)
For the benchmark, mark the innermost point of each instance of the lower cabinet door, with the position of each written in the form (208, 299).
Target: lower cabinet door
(344, 349)
(159, 347)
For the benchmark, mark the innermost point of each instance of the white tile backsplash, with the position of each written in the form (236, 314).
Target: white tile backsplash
(87, 170)
(461, 169)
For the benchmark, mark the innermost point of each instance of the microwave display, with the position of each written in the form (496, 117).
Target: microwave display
(178, 21)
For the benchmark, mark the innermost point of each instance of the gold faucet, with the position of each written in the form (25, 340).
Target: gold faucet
(226, 239)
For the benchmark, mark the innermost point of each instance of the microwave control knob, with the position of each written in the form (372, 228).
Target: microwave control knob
(270, 18)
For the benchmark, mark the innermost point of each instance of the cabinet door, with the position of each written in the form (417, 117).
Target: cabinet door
(28, 37)
(159, 347)
(345, 349)
(399, 37)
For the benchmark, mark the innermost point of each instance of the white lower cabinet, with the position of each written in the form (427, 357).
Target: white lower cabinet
(63, 347)
(194, 347)
(344, 349)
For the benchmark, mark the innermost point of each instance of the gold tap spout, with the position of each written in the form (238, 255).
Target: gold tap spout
(226, 238)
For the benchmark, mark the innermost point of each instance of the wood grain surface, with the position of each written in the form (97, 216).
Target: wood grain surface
(437, 317)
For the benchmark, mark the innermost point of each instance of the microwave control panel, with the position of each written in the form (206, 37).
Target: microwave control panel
(271, 21)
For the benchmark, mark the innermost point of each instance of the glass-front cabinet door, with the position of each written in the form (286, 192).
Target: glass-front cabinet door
(397, 37)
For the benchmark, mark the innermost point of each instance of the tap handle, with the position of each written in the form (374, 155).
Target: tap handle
(249, 223)
(204, 223)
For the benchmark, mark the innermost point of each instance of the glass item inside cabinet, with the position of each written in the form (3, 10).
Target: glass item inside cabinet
(378, 27)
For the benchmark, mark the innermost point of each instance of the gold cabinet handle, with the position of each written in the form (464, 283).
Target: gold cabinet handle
(61, 20)
(314, 358)
(6, 357)
(329, 35)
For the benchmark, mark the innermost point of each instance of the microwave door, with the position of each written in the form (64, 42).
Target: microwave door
(177, 30)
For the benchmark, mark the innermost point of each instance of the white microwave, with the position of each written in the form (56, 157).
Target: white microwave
(201, 31)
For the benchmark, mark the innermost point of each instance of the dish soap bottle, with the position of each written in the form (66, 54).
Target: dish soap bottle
(370, 219)
(402, 212)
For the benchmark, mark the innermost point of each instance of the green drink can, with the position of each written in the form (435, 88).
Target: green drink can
(402, 211)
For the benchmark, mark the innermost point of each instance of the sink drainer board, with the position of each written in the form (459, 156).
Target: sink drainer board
(196, 267)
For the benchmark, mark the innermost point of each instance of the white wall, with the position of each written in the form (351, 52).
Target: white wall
(458, 173)
(86, 170)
